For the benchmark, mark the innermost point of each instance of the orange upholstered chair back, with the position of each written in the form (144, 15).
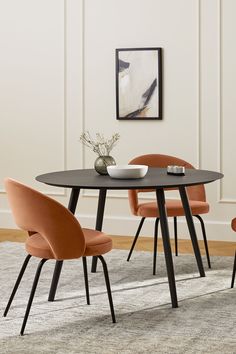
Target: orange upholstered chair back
(233, 224)
(162, 161)
(37, 213)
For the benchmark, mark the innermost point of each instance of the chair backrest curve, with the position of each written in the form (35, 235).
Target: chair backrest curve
(37, 213)
(233, 224)
(158, 160)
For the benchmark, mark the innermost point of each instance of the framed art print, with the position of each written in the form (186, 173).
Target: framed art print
(139, 83)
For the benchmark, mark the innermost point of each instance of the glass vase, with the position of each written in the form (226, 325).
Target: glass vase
(102, 162)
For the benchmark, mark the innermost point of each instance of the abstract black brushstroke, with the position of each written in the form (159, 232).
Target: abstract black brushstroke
(134, 113)
(123, 65)
(146, 96)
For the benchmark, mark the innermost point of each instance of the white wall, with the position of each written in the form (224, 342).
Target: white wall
(57, 72)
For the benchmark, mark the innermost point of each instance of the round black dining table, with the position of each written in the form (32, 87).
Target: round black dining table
(156, 179)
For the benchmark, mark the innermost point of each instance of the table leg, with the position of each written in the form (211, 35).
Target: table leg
(99, 221)
(192, 231)
(166, 244)
(57, 270)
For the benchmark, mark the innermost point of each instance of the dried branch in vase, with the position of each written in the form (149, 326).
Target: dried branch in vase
(100, 145)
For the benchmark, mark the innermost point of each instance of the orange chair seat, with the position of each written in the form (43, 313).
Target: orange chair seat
(97, 243)
(174, 208)
(37, 246)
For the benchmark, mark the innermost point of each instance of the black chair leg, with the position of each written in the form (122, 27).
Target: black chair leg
(155, 245)
(35, 283)
(204, 239)
(108, 288)
(176, 235)
(86, 279)
(136, 237)
(234, 271)
(23, 268)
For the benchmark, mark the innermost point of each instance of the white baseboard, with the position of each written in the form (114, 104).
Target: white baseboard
(6, 220)
(127, 225)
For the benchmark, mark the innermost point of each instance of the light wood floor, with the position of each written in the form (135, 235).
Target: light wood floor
(216, 248)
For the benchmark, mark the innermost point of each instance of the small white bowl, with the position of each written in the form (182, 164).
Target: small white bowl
(127, 171)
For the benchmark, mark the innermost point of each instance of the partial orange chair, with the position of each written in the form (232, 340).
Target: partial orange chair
(54, 233)
(197, 202)
(233, 225)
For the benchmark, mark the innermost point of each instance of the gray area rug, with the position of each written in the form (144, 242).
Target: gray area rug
(205, 321)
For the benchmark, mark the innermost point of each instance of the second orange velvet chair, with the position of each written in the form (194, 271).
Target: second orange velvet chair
(54, 233)
(196, 195)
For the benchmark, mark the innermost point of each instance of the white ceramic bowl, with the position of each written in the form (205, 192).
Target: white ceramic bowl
(127, 171)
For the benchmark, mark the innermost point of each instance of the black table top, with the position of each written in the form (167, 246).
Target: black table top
(155, 177)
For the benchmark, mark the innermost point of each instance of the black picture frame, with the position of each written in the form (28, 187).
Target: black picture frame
(139, 83)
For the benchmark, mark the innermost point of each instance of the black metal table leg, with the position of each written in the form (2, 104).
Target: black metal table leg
(55, 279)
(166, 244)
(234, 271)
(155, 246)
(99, 221)
(176, 235)
(74, 196)
(57, 270)
(192, 231)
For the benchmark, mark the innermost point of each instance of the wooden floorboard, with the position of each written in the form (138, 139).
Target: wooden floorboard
(216, 248)
(12, 235)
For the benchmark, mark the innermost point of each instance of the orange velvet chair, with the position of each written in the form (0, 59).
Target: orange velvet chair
(233, 225)
(54, 233)
(197, 202)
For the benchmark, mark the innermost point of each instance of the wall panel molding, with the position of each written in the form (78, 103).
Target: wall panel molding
(57, 192)
(63, 141)
(117, 194)
(221, 197)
